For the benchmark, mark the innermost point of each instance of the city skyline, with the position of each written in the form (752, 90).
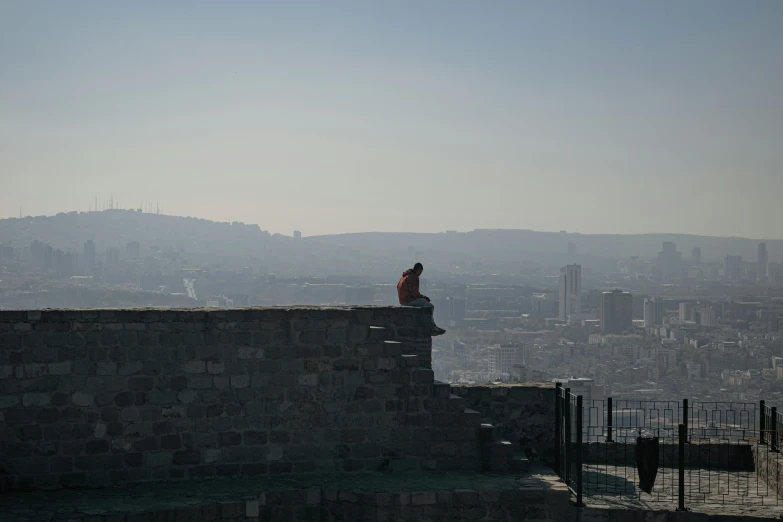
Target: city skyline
(316, 118)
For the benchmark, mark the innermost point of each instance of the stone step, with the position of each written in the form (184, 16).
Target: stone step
(423, 376)
(519, 463)
(486, 434)
(378, 333)
(392, 348)
(499, 458)
(456, 402)
(472, 418)
(442, 389)
(409, 361)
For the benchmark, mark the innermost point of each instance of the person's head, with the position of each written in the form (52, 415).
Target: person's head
(418, 268)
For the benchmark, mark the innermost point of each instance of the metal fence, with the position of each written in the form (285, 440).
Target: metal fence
(707, 452)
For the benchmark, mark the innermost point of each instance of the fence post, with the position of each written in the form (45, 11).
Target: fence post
(685, 417)
(681, 464)
(762, 421)
(609, 420)
(579, 421)
(773, 420)
(558, 427)
(567, 421)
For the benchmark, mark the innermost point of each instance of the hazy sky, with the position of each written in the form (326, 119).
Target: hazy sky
(333, 116)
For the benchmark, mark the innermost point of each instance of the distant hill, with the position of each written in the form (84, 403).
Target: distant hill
(115, 228)
(525, 242)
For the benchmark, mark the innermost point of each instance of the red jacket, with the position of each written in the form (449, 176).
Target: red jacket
(408, 287)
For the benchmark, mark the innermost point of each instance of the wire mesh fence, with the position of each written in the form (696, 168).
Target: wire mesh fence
(701, 452)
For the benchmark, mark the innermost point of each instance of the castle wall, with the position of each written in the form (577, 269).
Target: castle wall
(91, 398)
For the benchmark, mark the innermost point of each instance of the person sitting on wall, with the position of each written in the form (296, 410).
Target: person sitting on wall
(409, 295)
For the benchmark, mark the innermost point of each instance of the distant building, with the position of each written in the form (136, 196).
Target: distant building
(297, 234)
(653, 312)
(359, 295)
(133, 249)
(732, 268)
(112, 256)
(707, 316)
(457, 309)
(89, 255)
(542, 304)
(503, 357)
(522, 373)
(571, 250)
(219, 301)
(763, 256)
(696, 256)
(570, 291)
(669, 260)
(616, 311)
(687, 311)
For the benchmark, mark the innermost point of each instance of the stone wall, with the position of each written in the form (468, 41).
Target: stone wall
(92, 398)
(523, 414)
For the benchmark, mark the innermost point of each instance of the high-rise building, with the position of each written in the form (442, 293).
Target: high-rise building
(297, 234)
(89, 255)
(761, 271)
(687, 311)
(616, 312)
(653, 312)
(732, 268)
(112, 256)
(696, 256)
(133, 249)
(570, 291)
(669, 260)
(707, 315)
(457, 309)
(503, 356)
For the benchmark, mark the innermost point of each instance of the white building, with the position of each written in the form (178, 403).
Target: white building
(503, 357)
(653, 312)
(219, 301)
(570, 291)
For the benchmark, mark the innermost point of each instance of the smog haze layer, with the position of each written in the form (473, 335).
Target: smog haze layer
(446, 115)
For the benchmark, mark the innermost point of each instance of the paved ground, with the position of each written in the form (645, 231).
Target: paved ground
(711, 492)
(144, 498)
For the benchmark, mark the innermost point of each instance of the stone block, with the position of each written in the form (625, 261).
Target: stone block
(308, 379)
(8, 401)
(82, 399)
(215, 367)
(159, 459)
(187, 457)
(187, 396)
(424, 498)
(250, 352)
(201, 382)
(60, 368)
(35, 399)
(240, 381)
(138, 383)
(229, 438)
(194, 367)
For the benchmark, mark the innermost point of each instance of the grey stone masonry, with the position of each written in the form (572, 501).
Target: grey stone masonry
(522, 413)
(91, 398)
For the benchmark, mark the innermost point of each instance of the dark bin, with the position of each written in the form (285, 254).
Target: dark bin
(647, 462)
